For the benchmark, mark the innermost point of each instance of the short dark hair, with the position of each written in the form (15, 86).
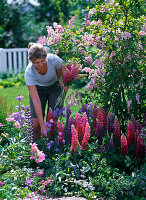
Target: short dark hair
(35, 51)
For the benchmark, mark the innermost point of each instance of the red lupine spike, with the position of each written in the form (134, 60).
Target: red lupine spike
(140, 149)
(86, 137)
(130, 133)
(94, 116)
(116, 127)
(124, 146)
(75, 143)
(51, 117)
(102, 117)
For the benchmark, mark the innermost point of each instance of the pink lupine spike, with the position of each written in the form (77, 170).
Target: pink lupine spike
(84, 120)
(75, 143)
(78, 126)
(51, 117)
(66, 76)
(60, 132)
(69, 66)
(86, 137)
(60, 126)
(140, 148)
(94, 116)
(130, 133)
(116, 127)
(124, 146)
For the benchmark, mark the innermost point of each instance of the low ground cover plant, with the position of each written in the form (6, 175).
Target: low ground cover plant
(85, 154)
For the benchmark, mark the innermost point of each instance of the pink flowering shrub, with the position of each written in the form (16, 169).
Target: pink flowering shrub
(110, 52)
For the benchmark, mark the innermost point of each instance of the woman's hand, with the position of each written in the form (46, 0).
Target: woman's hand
(44, 130)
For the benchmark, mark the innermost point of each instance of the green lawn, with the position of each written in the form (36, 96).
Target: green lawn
(12, 92)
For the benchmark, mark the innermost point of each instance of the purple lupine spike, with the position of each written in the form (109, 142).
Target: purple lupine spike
(84, 109)
(69, 135)
(111, 143)
(140, 148)
(99, 130)
(102, 147)
(110, 123)
(68, 113)
(29, 125)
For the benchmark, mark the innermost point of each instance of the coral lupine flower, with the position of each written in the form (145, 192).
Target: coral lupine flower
(60, 132)
(130, 133)
(86, 137)
(124, 146)
(140, 148)
(75, 142)
(51, 117)
(116, 127)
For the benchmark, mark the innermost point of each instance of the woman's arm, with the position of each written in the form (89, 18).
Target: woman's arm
(59, 74)
(37, 105)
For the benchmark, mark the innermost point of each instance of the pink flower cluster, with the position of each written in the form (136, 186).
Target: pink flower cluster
(71, 22)
(38, 156)
(126, 35)
(124, 146)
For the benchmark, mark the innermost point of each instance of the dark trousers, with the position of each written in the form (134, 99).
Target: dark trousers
(48, 96)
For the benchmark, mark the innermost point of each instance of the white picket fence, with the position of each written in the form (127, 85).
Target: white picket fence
(13, 60)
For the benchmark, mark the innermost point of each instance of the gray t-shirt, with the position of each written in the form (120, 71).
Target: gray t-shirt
(32, 77)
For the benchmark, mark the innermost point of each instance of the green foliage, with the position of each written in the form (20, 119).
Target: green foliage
(111, 36)
(3, 109)
(11, 80)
